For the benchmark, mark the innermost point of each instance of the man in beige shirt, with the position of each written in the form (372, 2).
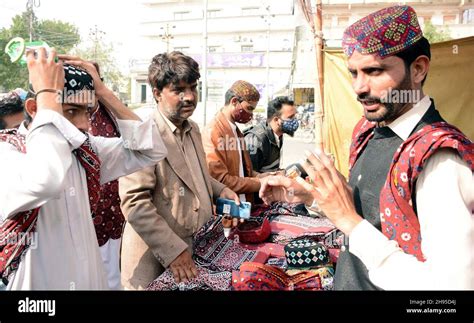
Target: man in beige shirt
(166, 204)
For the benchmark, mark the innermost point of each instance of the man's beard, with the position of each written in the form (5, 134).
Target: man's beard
(387, 110)
(176, 115)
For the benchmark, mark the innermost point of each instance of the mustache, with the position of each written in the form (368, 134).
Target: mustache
(365, 98)
(186, 104)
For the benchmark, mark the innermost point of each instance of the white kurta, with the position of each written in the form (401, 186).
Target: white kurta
(65, 254)
(445, 202)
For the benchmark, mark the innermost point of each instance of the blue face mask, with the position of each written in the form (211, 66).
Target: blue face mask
(289, 126)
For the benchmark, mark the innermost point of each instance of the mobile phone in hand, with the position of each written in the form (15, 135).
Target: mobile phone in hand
(226, 206)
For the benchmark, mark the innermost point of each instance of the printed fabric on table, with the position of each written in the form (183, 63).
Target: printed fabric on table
(285, 229)
(268, 248)
(256, 276)
(295, 226)
(205, 280)
(214, 251)
(279, 262)
(333, 239)
(326, 274)
(284, 208)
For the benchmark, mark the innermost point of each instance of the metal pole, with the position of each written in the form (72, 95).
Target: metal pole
(268, 64)
(29, 8)
(167, 35)
(319, 108)
(204, 63)
(267, 86)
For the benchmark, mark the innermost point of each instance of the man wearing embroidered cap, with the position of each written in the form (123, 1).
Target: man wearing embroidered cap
(51, 174)
(411, 173)
(227, 157)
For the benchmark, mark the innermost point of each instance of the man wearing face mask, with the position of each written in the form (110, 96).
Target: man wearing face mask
(227, 157)
(265, 140)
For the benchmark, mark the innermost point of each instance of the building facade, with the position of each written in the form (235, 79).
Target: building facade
(454, 17)
(267, 43)
(249, 40)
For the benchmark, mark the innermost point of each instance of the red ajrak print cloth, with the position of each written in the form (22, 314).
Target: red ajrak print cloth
(213, 250)
(256, 276)
(108, 218)
(17, 232)
(22, 224)
(399, 221)
(205, 280)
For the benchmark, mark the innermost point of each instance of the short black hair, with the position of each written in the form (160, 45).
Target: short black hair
(409, 55)
(274, 106)
(9, 105)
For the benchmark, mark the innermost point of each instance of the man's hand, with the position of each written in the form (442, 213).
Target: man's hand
(229, 194)
(105, 95)
(266, 174)
(331, 191)
(89, 67)
(183, 267)
(45, 73)
(281, 188)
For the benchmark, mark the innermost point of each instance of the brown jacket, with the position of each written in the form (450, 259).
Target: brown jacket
(223, 159)
(162, 210)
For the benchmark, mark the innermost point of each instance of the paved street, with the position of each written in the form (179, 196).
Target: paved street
(293, 148)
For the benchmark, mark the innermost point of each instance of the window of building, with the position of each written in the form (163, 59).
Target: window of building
(200, 91)
(213, 13)
(343, 21)
(327, 20)
(213, 49)
(143, 93)
(250, 11)
(424, 19)
(449, 19)
(247, 48)
(468, 16)
(286, 45)
(181, 15)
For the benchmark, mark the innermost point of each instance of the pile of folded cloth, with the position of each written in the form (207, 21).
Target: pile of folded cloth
(282, 247)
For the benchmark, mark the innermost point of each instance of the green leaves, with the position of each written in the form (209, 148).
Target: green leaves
(433, 34)
(61, 35)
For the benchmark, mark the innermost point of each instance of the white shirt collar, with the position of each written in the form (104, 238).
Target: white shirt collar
(277, 139)
(22, 130)
(233, 126)
(404, 124)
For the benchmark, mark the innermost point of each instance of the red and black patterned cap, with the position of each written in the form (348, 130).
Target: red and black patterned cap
(245, 91)
(384, 32)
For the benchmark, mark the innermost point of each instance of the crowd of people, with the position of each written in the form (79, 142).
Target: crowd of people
(119, 200)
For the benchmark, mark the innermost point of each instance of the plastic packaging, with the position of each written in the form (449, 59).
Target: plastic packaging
(17, 47)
